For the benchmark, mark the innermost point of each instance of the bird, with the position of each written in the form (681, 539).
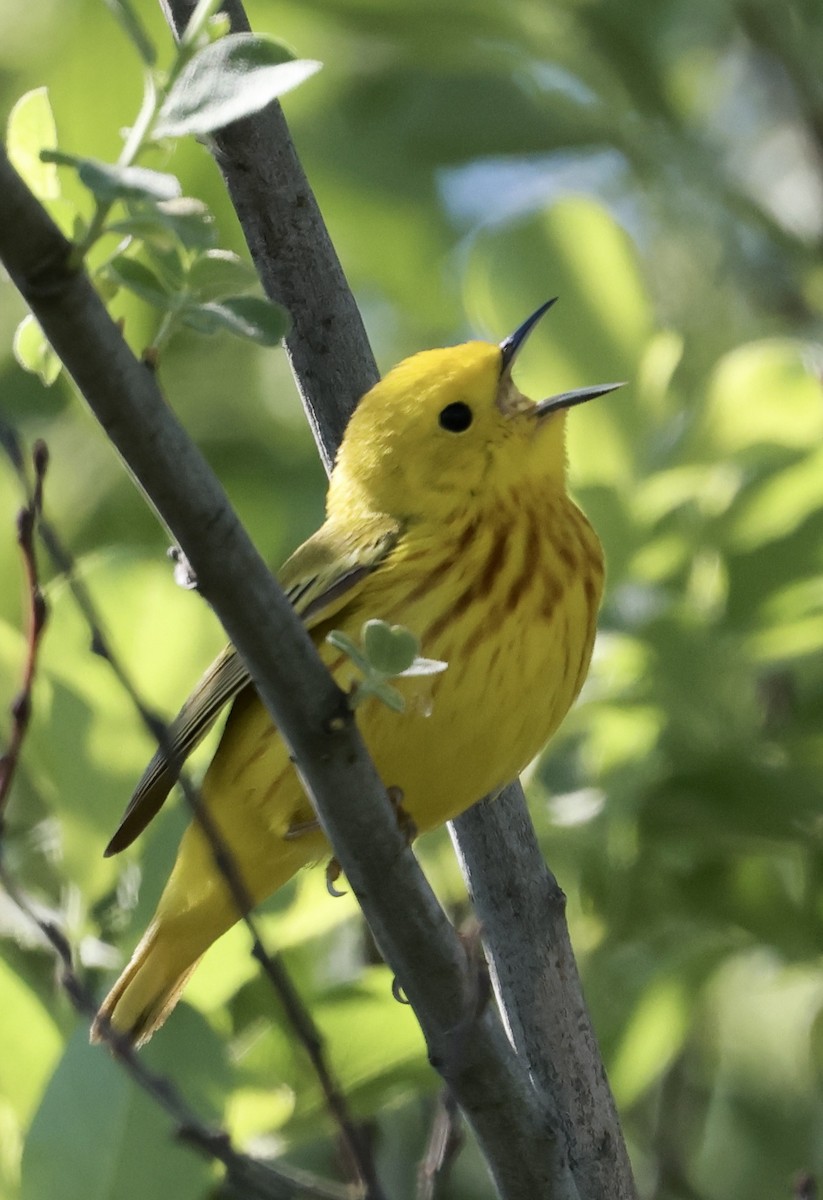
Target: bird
(448, 513)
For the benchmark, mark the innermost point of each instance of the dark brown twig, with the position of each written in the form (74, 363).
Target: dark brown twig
(358, 1153)
(27, 520)
(31, 521)
(259, 1179)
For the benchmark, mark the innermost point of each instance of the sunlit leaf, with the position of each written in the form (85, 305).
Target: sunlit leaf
(116, 1143)
(778, 505)
(34, 353)
(31, 128)
(766, 392)
(228, 80)
(25, 1063)
(653, 1037)
(109, 181)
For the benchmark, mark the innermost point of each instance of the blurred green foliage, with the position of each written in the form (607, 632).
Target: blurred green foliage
(660, 166)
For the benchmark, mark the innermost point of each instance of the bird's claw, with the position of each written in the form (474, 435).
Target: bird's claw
(333, 873)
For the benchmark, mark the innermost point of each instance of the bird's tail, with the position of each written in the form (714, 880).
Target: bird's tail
(150, 986)
(185, 925)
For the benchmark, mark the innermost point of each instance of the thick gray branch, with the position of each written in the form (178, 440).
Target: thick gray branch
(535, 974)
(469, 1048)
(295, 259)
(527, 942)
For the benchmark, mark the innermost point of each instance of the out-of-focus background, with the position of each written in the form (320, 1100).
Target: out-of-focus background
(659, 166)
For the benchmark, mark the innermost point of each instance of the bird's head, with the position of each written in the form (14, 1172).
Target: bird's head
(447, 425)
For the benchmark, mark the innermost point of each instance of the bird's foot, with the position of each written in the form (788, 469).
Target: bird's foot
(405, 822)
(333, 873)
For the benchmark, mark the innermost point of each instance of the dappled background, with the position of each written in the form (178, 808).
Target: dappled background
(659, 166)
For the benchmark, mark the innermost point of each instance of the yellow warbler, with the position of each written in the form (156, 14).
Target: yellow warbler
(447, 512)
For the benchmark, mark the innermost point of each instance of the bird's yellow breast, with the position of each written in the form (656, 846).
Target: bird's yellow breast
(508, 599)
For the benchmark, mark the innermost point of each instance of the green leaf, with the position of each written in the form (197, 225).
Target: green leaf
(167, 261)
(138, 278)
(341, 641)
(108, 181)
(25, 1062)
(189, 219)
(248, 317)
(766, 392)
(220, 273)
(97, 1136)
(390, 649)
(228, 80)
(34, 353)
(651, 1039)
(383, 691)
(135, 32)
(186, 219)
(31, 129)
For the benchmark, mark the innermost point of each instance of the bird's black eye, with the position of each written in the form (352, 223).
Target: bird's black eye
(456, 417)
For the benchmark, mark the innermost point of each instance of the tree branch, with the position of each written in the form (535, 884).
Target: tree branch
(294, 256)
(534, 971)
(263, 1182)
(354, 1144)
(493, 1088)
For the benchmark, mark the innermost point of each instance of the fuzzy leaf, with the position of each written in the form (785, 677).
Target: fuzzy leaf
(184, 218)
(390, 649)
(228, 80)
(110, 182)
(248, 317)
(220, 273)
(137, 277)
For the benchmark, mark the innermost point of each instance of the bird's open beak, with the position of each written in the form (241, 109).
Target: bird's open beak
(510, 348)
(569, 399)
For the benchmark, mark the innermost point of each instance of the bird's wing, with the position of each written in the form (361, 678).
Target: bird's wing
(322, 576)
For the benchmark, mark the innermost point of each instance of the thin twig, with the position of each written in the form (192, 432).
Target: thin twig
(27, 519)
(262, 1181)
(445, 1142)
(356, 1146)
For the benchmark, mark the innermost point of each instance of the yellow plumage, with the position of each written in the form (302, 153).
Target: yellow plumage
(447, 512)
